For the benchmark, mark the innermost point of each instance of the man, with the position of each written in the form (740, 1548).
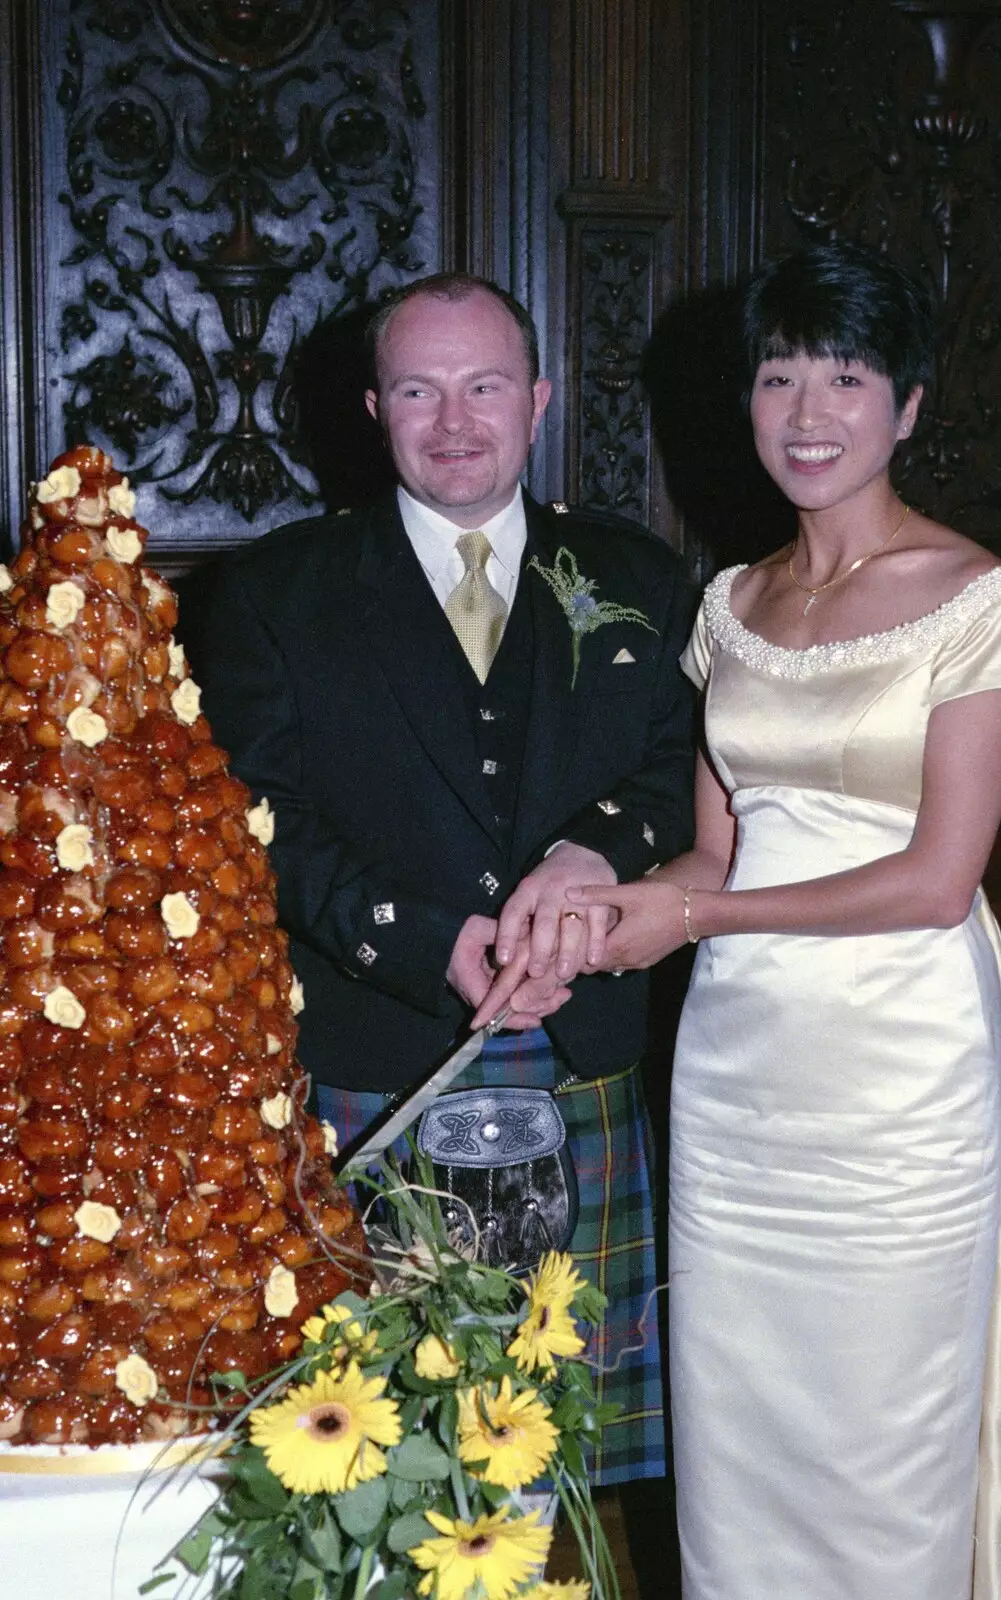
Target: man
(420, 784)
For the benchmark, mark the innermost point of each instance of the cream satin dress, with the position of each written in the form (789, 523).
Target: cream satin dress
(834, 1150)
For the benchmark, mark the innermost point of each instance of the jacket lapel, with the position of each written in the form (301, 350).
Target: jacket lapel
(416, 650)
(557, 712)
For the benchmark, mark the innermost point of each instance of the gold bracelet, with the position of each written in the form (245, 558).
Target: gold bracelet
(686, 905)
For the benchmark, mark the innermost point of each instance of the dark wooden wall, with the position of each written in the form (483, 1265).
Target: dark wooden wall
(199, 197)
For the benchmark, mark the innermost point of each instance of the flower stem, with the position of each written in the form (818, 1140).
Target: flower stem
(364, 1571)
(459, 1489)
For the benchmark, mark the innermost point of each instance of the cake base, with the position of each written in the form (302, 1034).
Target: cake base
(93, 1524)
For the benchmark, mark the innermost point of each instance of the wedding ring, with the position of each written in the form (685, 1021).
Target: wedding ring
(571, 916)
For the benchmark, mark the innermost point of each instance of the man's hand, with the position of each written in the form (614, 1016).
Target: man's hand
(472, 974)
(528, 1000)
(537, 911)
(470, 971)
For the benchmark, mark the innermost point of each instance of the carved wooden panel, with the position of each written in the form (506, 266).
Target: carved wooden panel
(882, 125)
(619, 68)
(613, 271)
(210, 181)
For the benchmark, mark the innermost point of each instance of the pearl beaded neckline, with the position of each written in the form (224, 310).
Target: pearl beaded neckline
(870, 649)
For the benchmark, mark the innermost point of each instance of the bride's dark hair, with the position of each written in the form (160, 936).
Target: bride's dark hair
(844, 301)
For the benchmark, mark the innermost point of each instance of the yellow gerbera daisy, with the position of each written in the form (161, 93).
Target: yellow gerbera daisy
(573, 1589)
(324, 1436)
(499, 1552)
(351, 1339)
(548, 1329)
(434, 1359)
(511, 1433)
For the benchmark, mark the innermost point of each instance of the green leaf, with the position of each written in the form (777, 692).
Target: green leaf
(448, 1420)
(229, 1380)
(355, 1302)
(394, 1587)
(576, 1373)
(406, 1374)
(307, 1583)
(571, 1453)
(257, 1582)
(323, 1543)
(407, 1531)
(359, 1511)
(494, 1494)
(418, 1458)
(589, 1303)
(157, 1582)
(256, 1491)
(193, 1552)
(410, 1413)
(567, 1412)
(402, 1492)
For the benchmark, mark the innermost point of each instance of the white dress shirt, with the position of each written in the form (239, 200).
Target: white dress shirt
(433, 538)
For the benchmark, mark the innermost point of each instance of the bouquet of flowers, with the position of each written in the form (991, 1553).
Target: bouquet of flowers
(389, 1458)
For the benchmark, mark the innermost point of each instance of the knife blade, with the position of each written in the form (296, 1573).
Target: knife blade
(422, 1097)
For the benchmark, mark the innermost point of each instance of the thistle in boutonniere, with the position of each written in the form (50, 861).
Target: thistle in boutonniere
(575, 594)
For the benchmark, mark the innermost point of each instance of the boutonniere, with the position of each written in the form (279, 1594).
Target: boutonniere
(575, 594)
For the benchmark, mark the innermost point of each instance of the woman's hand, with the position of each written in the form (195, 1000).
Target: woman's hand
(651, 920)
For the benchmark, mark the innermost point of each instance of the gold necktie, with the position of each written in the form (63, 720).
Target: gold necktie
(474, 608)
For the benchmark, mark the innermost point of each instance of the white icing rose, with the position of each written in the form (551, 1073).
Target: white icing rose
(86, 727)
(261, 821)
(6, 579)
(136, 1379)
(277, 1112)
(73, 850)
(62, 484)
(122, 501)
(154, 588)
(178, 665)
(124, 543)
(329, 1138)
(96, 1221)
(179, 915)
(63, 1008)
(63, 604)
(85, 686)
(280, 1293)
(296, 998)
(272, 1044)
(186, 701)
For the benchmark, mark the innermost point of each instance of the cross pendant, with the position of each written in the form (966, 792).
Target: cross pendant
(809, 603)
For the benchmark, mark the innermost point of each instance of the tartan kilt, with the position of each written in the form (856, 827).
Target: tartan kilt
(613, 1243)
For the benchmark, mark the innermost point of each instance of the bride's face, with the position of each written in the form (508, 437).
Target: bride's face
(826, 429)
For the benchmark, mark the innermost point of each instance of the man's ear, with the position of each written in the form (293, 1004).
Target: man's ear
(541, 391)
(372, 403)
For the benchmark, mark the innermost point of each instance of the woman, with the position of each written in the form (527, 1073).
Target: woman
(834, 1165)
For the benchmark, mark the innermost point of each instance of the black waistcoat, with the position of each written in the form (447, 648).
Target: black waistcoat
(498, 711)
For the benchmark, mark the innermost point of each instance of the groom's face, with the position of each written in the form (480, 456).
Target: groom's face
(457, 403)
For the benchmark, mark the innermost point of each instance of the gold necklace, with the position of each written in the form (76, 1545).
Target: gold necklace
(841, 576)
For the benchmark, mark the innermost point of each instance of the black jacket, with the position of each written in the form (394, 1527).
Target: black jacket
(329, 672)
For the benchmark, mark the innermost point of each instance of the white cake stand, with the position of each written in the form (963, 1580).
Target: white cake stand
(81, 1524)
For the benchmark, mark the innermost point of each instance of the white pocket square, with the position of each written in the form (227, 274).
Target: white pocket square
(623, 658)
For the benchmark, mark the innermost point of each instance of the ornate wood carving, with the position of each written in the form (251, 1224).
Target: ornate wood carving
(619, 209)
(614, 269)
(231, 172)
(882, 127)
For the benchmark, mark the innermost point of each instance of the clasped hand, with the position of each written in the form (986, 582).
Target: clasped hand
(540, 942)
(621, 927)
